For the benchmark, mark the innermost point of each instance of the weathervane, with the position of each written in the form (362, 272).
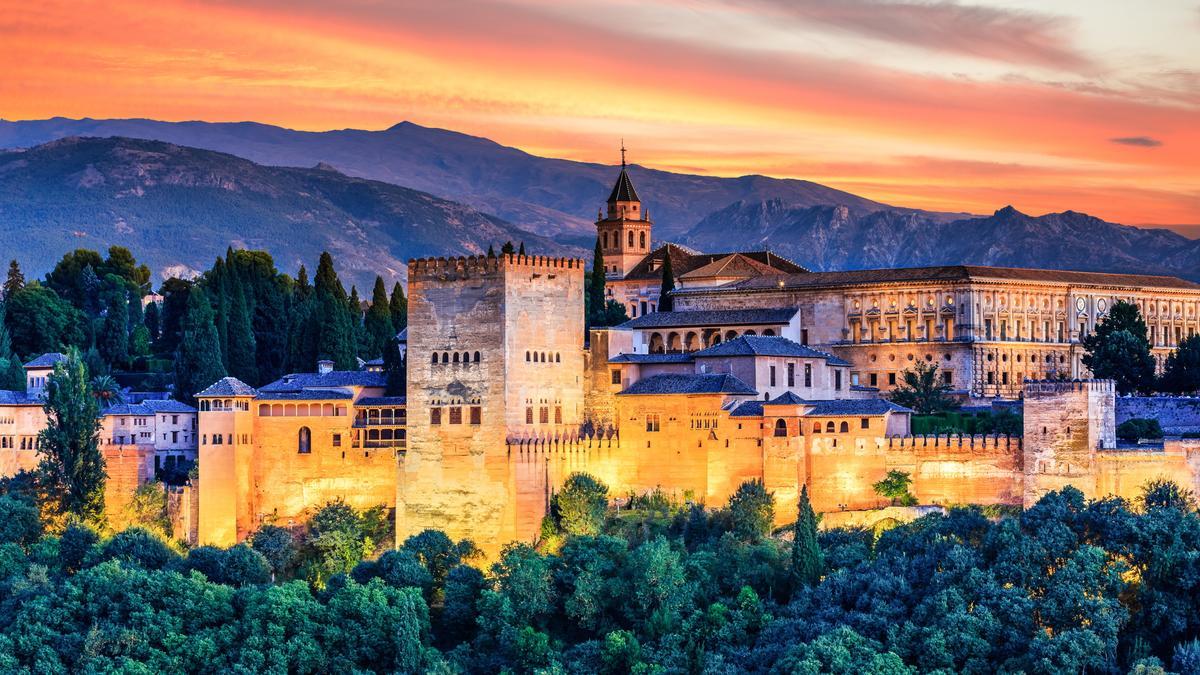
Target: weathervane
(622, 153)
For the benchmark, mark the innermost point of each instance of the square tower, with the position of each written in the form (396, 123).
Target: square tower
(1066, 422)
(625, 231)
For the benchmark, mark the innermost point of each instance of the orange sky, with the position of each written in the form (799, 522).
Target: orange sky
(951, 106)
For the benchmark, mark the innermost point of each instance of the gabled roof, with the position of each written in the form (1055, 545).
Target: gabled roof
(748, 409)
(854, 407)
(46, 360)
(652, 358)
(684, 260)
(305, 395)
(381, 400)
(167, 405)
(228, 386)
(705, 383)
(713, 317)
(330, 380)
(623, 190)
(126, 409)
(766, 345)
(10, 397)
(732, 265)
(786, 398)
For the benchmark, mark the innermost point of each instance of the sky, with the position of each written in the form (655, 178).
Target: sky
(1087, 105)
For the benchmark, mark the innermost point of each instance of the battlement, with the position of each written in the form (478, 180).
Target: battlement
(444, 269)
(545, 445)
(936, 443)
(1034, 388)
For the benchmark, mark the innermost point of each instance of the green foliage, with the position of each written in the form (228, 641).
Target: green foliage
(1181, 372)
(198, 361)
(752, 510)
(14, 281)
(20, 522)
(398, 308)
(277, 546)
(339, 537)
(1165, 494)
(807, 560)
(895, 486)
(666, 303)
(39, 321)
(1002, 422)
(923, 389)
(579, 507)
(377, 325)
(1138, 428)
(1119, 349)
(70, 475)
(148, 509)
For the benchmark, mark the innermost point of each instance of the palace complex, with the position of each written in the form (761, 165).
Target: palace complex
(763, 371)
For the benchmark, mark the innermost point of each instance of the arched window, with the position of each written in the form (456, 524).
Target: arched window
(642, 239)
(845, 427)
(604, 239)
(829, 427)
(456, 357)
(630, 240)
(435, 360)
(445, 357)
(476, 359)
(816, 427)
(304, 441)
(780, 428)
(557, 357)
(527, 357)
(466, 357)
(768, 332)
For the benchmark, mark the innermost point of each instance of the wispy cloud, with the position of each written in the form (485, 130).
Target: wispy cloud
(1139, 141)
(994, 33)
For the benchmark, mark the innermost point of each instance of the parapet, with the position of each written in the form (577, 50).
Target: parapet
(465, 267)
(935, 443)
(1034, 388)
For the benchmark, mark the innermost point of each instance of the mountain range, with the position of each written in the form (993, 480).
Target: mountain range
(343, 193)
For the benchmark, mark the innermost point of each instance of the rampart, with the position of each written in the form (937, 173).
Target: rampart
(1177, 414)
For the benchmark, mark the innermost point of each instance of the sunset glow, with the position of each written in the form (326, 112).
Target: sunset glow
(950, 106)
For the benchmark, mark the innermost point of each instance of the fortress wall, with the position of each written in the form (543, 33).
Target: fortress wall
(599, 393)
(1125, 472)
(960, 469)
(13, 461)
(841, 472)
(1176, 414)
(128, 467)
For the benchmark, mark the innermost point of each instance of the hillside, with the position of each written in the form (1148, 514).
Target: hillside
(177, 207)
(836, 238)
(554, 197)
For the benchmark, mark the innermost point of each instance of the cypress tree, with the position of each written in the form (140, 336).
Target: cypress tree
(398, 308)
(507, 248)
(337, 341)
(522, 250)
(491, 251)
(395, 367)
(218, 291)
(114, 335)
(70, 476)
(303, 288)
(378, 324)
(665, 302)
(174, 307)
(270, 329)
(808, 562)
(356, 321)
(15, 280)
(151, 319)
(595, 295)
(243, 354)
(198, 362)
(327, 281)
(136, 315)
(89, 284)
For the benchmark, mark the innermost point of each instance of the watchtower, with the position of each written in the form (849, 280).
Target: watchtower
(625, 230)
(1066, 422)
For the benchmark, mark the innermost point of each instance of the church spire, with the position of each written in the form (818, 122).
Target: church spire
(623, 191)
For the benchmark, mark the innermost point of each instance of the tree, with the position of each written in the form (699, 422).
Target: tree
(15, 280)
(378, 324)
(923, 390)
(521, 251)
(114, 337)
(895, 486)
(243, 350)
(39, 321)
(174, 307)
(1181, 373)
(20, 522)
(595, 296)
(580, 505)
(395, 367)
(148, 509)
(507, 248)
(198, 360)
(69, 281)
(277, 546)
(808, 562)
(107, 391)
(1119, 349)
(752, 511)
(71, 475)
(666, 303)
(491, 252)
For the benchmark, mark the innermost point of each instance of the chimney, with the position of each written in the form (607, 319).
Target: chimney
(324, 367)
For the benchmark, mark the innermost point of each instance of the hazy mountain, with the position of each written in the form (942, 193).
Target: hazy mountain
(835, 238)
(179, 208)
(554, 197)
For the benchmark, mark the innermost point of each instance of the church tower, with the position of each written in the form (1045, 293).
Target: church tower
(625, 230)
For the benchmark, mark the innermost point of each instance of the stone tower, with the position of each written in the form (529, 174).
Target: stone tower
(225, 491)
(625, 229)
(1066, 422)
(495, 351)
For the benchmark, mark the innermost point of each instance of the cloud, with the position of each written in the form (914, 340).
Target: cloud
(1139, 141)
(993, 33)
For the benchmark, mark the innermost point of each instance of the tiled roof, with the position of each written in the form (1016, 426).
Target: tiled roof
(707, 383)
(733, 265)
(963, 273)
(332, 379)
(713, 317)
(853, 407)
(9, 397)
(46, 360)
(160, 405)
(685, 260)
(787, 398)
(651, 358)
(127, 409)
(623, 190)
(305, 395)
(374, 362)
(403, 335)
(766, 345)
(381, 400)
(748, 409)
(228, 386)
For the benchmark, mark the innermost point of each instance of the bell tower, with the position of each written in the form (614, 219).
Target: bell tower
(625, 230)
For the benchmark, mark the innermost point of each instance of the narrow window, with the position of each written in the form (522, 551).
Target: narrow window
(652, 422)
(845, 427)
(791, 375)
(337, 440)
(780, 428)
(455, 415)
(435, 416)
(616, 376)
(529, 415)
(808, 374)
(544, 415)
(558, 414)
(865, 422)
(476, 415)
(642, 240)
(304, 441)
(837, 379)
(772, 376)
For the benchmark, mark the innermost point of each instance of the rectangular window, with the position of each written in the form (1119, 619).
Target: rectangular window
(873, 378)
(791, 375)
(476, 415)
(804, 336)
(643, 307)
(616, 376)
(891, 379)
(652, 422)
(455, 414)
(837, 379)
(558, 414)
(991, 377)
(435, 416)
(865, 422)
(947, 377)
(337, 440)
(528, 415)
(544, 415)
(1004, 378)
(772, 376)
(174, 419)
(808, 374)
